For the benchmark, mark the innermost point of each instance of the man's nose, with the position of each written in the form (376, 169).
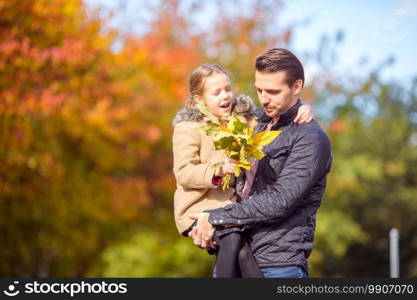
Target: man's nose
(263, 98)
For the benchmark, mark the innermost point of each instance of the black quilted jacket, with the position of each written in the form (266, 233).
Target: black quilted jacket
(280, 213)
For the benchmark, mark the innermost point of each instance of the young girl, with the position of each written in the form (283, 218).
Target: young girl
(194, 158)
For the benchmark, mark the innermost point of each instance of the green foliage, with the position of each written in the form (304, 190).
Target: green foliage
(148, 254)
(371, 184)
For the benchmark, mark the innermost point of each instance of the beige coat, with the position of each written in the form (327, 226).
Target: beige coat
(194, 158)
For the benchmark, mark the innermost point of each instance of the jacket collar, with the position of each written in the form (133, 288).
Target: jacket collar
(285, 118)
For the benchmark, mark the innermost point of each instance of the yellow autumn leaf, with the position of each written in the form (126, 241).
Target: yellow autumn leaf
(237, 140)
(258, 137)
(268, 137)
(245, 166)
(237, 170)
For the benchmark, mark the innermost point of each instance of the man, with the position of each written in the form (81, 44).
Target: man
(283, 191)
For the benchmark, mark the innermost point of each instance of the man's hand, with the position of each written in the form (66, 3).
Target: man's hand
(203, 232)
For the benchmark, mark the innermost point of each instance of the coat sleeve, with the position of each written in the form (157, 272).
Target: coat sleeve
(188, 169)
(309, 160)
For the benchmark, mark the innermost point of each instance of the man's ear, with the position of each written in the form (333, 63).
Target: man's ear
(297, 87)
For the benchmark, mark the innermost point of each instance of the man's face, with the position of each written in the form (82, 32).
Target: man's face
(274, 93)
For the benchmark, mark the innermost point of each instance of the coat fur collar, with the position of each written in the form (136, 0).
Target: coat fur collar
(243, 105)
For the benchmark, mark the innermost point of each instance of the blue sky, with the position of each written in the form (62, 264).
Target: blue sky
(374, 29)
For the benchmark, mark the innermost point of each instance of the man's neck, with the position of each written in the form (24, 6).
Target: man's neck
(274, 120)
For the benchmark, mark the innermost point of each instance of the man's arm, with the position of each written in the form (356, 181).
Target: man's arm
(308, 161)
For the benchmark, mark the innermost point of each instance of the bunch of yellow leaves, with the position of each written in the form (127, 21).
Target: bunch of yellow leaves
(237, 139)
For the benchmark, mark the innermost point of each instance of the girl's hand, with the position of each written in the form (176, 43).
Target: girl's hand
(227, 167)
(304, 115)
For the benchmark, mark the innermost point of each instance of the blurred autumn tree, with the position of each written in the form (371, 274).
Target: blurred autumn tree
(86, 182)
(86, 131)
(78, 126)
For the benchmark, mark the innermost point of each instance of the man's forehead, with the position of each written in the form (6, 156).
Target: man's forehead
(270, 79)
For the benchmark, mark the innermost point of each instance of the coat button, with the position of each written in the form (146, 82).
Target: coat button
(221, 221)
(238, 221)
(215, 221)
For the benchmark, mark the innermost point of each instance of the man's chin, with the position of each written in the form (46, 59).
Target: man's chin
(271, 114)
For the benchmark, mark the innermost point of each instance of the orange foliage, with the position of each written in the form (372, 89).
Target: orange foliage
(85, 132)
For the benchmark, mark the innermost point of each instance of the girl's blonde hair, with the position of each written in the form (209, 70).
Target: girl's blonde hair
(197, 79)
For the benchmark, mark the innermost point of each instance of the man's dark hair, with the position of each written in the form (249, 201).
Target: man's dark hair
(279, 59)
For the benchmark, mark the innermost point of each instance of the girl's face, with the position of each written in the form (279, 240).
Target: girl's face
(218, 95)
